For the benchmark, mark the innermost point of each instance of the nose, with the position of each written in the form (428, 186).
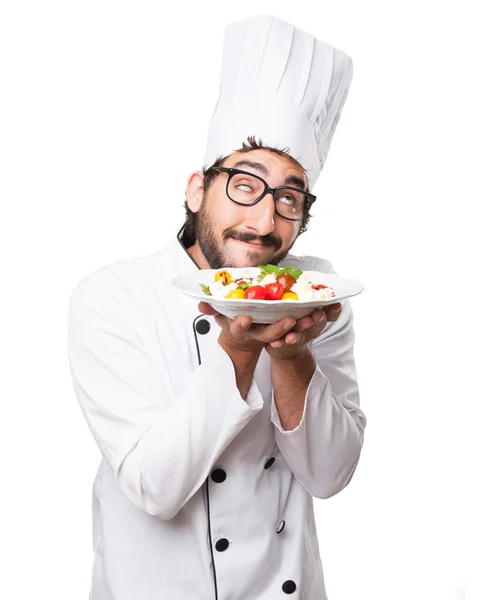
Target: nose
(260, 217)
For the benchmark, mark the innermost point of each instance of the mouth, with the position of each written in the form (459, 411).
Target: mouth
(251, 245)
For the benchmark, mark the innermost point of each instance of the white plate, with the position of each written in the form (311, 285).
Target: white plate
(265, 311)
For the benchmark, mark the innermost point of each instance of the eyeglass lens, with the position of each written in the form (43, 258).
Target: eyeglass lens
(248, 188)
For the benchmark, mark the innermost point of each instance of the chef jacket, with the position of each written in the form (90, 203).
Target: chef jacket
(201, 494)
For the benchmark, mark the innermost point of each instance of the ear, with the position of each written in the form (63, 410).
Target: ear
(194, 191)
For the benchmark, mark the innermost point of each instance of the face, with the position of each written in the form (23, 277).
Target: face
(232, 235)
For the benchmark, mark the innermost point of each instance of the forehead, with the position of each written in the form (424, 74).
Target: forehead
(266, 163)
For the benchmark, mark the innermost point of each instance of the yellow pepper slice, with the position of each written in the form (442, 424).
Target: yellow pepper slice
(224, 276)
(238, 293)
(290, 296)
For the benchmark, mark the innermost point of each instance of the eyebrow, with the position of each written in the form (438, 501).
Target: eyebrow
(291, 179)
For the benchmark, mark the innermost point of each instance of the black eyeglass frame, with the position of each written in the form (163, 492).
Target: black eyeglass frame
(310, 198)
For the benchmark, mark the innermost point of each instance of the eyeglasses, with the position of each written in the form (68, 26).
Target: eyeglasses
(247, 189)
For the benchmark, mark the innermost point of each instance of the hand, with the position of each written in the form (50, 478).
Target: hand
(305, 330)
(241, 335)
(284, 339)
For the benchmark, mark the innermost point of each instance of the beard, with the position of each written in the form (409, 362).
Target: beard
(214, 250)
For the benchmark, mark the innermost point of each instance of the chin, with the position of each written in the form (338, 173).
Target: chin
(251, 259)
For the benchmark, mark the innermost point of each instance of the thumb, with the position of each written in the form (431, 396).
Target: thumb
(207, 309)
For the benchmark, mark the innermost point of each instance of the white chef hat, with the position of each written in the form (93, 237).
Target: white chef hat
(282, 85)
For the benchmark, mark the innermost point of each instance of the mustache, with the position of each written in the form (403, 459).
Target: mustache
(266, 240)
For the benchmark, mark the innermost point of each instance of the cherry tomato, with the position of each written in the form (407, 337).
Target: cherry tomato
(274, 291)
(255, 292)
(290, 296)
(287, 281)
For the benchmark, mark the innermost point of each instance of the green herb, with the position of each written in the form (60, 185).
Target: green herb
(267, 269)
(244, 286)
(205, 288)
(296, 273)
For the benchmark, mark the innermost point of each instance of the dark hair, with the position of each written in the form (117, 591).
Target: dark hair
(210, 176)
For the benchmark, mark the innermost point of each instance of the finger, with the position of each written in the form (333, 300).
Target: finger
(256, 329)
(207, 309)
(240, 325)
(277, 343)
(333, 311)
(220, 322)
(319, 316)
(273, 332)
(315, 331)
(310, 333)
(293, 338)
(223, 321)
(304, 323)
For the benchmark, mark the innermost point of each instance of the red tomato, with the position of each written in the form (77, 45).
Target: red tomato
(255, 292)
(274, 291)
(318, 286)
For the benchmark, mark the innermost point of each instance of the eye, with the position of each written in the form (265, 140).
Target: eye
(287, 199)
(244, 187)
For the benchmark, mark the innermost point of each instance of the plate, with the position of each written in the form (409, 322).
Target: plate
(265, 311)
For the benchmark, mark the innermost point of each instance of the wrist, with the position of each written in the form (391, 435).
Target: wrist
(290, 354)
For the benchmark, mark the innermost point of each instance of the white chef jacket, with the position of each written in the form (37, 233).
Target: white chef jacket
(201, 494)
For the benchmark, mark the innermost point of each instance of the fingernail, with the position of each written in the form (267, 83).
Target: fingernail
(287, 326)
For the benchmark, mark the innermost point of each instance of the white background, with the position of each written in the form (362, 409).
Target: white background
(104, 114)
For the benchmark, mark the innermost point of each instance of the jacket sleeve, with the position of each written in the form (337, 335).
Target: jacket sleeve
(323, 450)
(161, 448)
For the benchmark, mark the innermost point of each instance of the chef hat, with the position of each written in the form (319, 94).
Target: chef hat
(281, 85)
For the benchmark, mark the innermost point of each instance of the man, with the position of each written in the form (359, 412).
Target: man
(216, 434)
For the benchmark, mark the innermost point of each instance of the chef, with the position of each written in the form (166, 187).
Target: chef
(217, 434)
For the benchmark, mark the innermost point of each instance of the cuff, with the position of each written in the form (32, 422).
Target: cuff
(219, 361)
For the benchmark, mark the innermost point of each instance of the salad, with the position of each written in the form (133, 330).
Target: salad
(272, 283)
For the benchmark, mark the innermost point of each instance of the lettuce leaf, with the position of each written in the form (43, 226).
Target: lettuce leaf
(267, 269)
(296, 273)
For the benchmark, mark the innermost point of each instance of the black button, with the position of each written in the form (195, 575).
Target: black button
(203, 326)
(280, 526)
(218, 475)
(289, 587)
(269, 462)
(222, 544)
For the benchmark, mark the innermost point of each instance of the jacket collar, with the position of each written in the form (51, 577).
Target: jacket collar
(181, 260)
